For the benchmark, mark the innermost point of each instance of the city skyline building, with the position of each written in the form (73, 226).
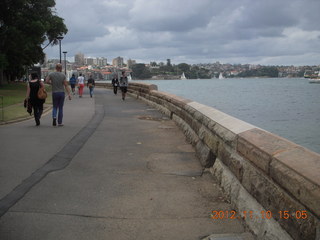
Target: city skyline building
(130, 62)
(79, 59)
(118, 62)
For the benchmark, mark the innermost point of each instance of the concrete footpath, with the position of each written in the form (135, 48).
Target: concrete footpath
(115, 170)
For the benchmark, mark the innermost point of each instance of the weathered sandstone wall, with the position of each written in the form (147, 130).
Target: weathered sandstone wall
(259, 171)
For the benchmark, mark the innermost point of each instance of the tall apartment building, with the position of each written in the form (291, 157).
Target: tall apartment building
(118, 62)
(131, 62)
(101, 62)
(79, 59)
(90, 61)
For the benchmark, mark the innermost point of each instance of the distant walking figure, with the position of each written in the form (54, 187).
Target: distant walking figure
(32, 96)
(115, 84)
(91, 85)
(80, 83)
(73, 82)
(59, 84)
(124, 85)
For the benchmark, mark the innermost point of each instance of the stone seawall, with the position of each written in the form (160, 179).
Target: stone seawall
(272, 183)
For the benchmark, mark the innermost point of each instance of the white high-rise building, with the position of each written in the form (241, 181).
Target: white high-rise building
(79, 59)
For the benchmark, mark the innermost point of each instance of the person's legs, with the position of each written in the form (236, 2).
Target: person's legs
(54, 107)
(40, 109)
(124, 91)
(81, 90)
(36, 114)
(60, 107)
(73, 88)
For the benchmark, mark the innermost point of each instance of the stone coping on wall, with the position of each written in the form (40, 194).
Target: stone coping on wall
(233, 124)
(279, 174)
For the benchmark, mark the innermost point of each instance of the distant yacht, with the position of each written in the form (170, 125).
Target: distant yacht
(221, 76)
(183, 76)
(315, 80)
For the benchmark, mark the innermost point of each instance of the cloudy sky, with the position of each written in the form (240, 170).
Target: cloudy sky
(268, 32)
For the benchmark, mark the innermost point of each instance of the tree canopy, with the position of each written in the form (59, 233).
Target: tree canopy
(24, 26)
(139, 71)
(261, 72)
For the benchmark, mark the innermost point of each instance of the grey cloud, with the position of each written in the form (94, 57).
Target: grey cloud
(85, 20)
(175, 16)
(194, 31)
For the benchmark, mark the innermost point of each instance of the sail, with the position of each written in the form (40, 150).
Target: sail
(221, 76)
(183, 76)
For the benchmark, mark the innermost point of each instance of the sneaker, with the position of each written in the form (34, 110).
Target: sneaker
(60, 125)
(54, 123)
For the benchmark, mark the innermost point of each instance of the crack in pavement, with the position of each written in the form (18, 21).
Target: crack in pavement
(110, 217)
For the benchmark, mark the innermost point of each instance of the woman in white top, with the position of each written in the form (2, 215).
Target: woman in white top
(80, 82)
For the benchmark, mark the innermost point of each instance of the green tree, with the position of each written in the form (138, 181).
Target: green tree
(166, 69)
(140, 71)
(261, 72)
(184, 67)
(24, 26)
(153, 64)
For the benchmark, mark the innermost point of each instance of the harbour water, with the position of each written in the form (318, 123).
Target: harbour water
(287, 107)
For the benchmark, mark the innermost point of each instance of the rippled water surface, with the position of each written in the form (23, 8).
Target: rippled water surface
(287, 107)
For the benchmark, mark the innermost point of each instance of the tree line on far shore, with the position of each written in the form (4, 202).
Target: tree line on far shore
(141, 71)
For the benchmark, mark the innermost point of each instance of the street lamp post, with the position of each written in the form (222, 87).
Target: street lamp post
(60, 38)
(65, 62)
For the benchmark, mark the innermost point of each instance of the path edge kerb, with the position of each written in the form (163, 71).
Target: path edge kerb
(45, 111)
(276, 173)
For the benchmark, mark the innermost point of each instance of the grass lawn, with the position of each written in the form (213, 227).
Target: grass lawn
(11, 101)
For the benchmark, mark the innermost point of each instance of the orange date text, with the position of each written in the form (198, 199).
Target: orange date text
(300, 214)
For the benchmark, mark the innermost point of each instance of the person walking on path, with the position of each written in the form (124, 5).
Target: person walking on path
(123, 85)
(59, 84)
(91, 85)
(33, 87)
(80, 82)
(73, 82)
(115, 84)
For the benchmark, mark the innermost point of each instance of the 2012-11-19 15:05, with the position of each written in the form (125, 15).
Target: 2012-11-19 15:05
(299, 214)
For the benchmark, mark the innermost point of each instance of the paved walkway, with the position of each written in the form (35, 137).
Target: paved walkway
(116, 170)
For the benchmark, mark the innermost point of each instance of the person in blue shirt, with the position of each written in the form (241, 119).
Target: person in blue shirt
(73, 82)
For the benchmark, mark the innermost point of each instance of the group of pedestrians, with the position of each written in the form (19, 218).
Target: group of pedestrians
(123, 84)
(80, 82)
(59, 85)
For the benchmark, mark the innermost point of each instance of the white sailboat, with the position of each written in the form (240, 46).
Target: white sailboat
(129, 77)
(221, 76)
(183, 76)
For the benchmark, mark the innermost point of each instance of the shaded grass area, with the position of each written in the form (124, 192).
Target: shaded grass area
(12, 93)
(16, 112)
(11, 101)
